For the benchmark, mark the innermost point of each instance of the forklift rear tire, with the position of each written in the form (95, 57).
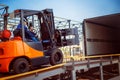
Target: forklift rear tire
(56, 57)
(20, 65)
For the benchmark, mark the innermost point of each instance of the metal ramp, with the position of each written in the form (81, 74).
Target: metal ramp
(68, 70)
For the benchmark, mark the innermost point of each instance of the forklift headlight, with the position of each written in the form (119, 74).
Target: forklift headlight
(1, 51)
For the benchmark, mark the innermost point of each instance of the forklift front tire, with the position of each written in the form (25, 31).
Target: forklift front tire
(56, 57)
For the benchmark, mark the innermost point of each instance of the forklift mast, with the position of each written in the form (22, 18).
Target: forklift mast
(47, 27)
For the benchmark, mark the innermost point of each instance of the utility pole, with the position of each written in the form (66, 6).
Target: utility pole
(69, 24)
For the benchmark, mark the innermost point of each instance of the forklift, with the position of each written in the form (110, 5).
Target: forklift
(18, 53)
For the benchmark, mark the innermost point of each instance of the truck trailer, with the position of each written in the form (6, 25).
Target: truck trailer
(102, 35)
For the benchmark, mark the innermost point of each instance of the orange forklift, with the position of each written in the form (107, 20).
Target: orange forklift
(18, 53)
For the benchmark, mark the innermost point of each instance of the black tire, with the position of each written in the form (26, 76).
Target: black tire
(56, 57)
(20, 65)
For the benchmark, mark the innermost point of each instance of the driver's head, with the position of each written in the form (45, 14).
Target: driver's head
(31, 27)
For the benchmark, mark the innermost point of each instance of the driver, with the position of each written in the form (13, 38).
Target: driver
(28, 33)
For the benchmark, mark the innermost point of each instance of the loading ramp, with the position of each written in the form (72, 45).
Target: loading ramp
(67, 70)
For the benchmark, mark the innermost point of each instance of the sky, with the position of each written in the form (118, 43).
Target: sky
(70, 9)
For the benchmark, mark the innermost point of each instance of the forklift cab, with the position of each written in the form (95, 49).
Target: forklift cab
(43, 23)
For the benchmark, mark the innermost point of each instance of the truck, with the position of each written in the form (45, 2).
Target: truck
(19, 54)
